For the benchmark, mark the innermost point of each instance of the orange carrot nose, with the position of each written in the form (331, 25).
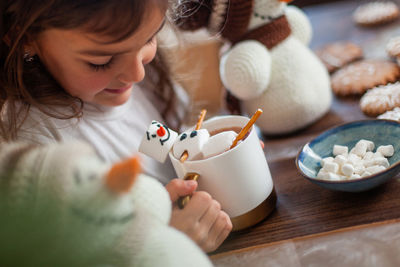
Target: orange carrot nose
(122, 175)
(161, 131)
(286, 1)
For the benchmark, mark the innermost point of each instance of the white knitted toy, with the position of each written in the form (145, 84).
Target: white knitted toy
(62, 206)
(268, 65)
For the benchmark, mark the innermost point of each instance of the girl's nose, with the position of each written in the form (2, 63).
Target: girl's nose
(133, 72)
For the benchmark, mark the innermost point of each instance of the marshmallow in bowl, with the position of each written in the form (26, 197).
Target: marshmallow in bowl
(191, 141)
(360, 162)
(340, 150)
(362, 147)
(386, 151)
(218, 143)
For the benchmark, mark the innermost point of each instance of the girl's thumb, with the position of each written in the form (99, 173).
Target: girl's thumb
(178, 188)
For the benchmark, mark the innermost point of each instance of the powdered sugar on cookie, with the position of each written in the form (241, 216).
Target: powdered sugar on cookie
(336, 55)
(393, 115)
(380, 99)
(375, 13)
(393, 47)
(356, 78)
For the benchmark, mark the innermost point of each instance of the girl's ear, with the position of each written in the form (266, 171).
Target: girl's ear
(30, 50)
(30, 46)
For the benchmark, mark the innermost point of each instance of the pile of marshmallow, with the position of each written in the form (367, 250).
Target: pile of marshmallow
(360, 162)
(160, 140)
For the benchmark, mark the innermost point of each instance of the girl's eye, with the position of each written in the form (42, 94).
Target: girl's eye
(97, 67)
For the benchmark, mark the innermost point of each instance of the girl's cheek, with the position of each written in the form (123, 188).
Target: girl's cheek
(95, 82)
(151, 53)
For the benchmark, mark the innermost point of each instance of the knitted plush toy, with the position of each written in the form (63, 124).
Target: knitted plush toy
(60, 205)
(268, 64)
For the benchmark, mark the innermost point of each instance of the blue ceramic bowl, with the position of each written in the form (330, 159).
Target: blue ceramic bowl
(381, 132)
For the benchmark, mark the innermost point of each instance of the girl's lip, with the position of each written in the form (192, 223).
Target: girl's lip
(118, 91)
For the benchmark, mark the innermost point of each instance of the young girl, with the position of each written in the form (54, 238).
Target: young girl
(70, 70)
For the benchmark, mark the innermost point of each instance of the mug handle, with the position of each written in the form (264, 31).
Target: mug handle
(182, 201)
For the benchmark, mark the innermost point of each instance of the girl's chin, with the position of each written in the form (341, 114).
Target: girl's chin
(111, 99)
(116, 102)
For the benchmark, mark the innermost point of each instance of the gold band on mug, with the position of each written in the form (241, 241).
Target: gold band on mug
(255, 215)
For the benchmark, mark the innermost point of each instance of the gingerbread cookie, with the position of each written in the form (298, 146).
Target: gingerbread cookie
(376, 13)
(338, 54)
(380, 99)
(393, 47)
(357, 77)
(393, 115)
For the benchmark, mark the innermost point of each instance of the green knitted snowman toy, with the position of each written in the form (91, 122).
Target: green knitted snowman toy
(61, 205)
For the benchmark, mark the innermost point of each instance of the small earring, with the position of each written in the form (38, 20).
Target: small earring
(27, 57)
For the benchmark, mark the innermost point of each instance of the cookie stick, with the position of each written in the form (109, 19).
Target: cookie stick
(182, 201)
(198, 126)
(246, 128)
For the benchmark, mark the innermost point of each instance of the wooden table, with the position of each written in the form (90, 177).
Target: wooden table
(303, 208)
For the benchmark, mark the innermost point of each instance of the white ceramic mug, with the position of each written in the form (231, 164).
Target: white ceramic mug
(239, 179)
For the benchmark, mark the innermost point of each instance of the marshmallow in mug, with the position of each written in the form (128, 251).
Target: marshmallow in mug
(218, 143)
(191, 141)
(158, 141)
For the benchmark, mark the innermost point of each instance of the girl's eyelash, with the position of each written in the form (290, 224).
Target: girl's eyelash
(97, 67)
(152, 40)
(105, 66)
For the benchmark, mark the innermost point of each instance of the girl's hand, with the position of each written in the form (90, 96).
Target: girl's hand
(202, 218)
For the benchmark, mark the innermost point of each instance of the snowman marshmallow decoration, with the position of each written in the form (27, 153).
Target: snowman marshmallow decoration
(160, 140)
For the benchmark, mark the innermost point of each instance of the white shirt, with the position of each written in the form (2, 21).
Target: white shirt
(115, 132)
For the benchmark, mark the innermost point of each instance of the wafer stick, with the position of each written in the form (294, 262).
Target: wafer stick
(200, 120)
(182, 201)
(246, 128)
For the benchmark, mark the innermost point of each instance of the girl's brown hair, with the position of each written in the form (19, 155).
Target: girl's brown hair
(25, 84)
